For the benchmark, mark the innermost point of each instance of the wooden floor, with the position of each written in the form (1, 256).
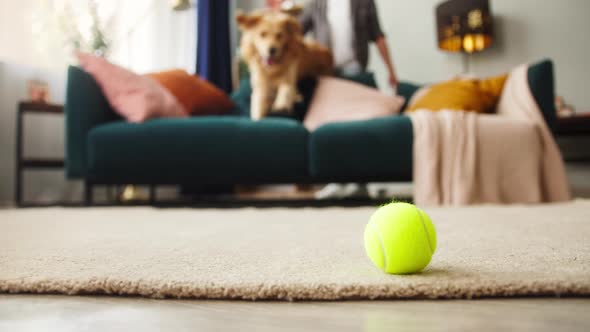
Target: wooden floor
(60, 313)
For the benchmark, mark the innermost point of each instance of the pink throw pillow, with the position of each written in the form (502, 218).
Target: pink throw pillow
(136, 98)
(338, 100)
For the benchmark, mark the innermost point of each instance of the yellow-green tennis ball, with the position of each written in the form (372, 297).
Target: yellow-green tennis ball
(400, 238)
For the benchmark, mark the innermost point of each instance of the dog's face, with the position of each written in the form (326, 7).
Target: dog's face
(270, 34)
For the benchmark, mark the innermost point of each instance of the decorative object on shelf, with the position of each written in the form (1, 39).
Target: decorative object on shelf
(464, 26)
(38, 91)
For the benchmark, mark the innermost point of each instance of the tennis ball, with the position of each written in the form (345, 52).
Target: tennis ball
(400, 238)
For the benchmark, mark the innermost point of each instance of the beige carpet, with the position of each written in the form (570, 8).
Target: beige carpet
(294, 254)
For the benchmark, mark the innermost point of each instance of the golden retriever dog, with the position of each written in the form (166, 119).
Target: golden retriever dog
(277, 55)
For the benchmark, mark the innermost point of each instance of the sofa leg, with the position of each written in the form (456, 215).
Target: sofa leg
(88, 193)
(152, 197)
(110, 195)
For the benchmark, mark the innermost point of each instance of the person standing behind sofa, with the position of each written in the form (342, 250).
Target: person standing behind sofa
(347, 27)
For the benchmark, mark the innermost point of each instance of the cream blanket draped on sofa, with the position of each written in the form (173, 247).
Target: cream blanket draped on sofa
(468, 158)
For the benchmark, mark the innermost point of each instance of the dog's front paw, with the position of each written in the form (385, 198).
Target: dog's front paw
(258, 108)
(256, 114)
(282, 110)
(282, 107)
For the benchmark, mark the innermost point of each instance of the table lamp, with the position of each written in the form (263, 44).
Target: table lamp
(464, 26)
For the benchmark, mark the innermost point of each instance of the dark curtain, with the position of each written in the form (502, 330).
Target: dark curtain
(213, 64)
(213, 44)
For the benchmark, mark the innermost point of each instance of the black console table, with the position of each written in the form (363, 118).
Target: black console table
(32, 163)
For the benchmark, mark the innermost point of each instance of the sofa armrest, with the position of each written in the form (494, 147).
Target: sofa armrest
(407, 90)
(542, 84)
(85, 108)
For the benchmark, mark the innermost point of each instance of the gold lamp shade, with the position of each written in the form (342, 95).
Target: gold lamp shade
(464, 25)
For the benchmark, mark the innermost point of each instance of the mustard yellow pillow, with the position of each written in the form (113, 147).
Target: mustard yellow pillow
(463, 95)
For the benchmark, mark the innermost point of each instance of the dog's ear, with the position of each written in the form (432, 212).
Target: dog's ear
(247, 21)
(293, 25)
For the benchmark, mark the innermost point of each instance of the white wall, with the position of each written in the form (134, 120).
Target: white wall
(526, 31)
(16, 35)
(152, 37)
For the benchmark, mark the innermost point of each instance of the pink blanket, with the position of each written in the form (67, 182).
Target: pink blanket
(467, 158)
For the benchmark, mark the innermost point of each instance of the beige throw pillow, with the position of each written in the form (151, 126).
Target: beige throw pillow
(338, 100)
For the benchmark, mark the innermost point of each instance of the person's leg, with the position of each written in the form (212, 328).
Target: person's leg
(330, 191)
(343, 191)
(356, 190)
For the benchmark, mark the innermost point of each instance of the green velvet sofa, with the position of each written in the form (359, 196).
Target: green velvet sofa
(102, 149)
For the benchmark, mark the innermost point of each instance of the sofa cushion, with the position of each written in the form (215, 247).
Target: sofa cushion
(210, 149)
(375, 150)
(338, 100)
(136, 98)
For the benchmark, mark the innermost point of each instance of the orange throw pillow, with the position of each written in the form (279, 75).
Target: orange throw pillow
(197, 96)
